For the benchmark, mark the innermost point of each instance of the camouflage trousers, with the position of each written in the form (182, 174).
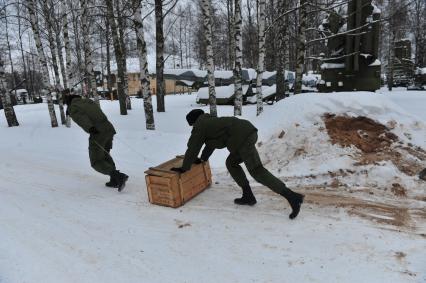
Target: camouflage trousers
(249, 155)
(99, 148)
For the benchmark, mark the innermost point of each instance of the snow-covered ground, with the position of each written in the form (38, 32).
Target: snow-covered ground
(59, 223)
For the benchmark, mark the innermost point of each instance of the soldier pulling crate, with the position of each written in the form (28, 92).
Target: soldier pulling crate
(240, 137)
(89, 116)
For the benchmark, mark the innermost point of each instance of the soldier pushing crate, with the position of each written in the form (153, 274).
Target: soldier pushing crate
(239, 137)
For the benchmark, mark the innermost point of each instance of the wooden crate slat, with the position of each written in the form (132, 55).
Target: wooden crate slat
(169, 188)
(159, 180)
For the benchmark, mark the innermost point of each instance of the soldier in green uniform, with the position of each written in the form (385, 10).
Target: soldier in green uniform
(239, 137)
(89, 116)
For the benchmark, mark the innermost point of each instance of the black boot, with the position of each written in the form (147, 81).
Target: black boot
(247, 198)
(111, 183)
(120, 179)
(295, 201)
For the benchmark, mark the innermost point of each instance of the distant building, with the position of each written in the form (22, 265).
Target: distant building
(179, 80)
(172, 84)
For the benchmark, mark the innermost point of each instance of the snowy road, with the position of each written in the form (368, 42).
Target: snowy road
(58, 223)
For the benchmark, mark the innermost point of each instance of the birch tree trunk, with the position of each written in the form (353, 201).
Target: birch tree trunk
(67, 75)
(118, 57)
(49, 21)
(77, 41)
(286, 55)
(238, 61)
(9, 112)
(10, 58)
(87, 51)
(281, 44)
(159, 66)
(261, 62)
(143, 65)
(24, 64)
(231, 32)
(301, 46)
(121, 29)
(60, 46)
(108, 55)
(43, 62)
(210, 59)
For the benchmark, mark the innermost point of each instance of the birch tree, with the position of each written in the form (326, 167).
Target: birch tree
(210, 59)
(231, 32)
(76, 27)
(143, 65)
(261, 62)
(159, 46)
(118, 57)
(108, 54)
(121, 25)
(9, 112)
(281, 49)
(69, 74)
(9, 48)
(49, 22)
(90, 75)
(301, 46)
(42, 58)
(59, 43)
(20, 33)
(238, 61)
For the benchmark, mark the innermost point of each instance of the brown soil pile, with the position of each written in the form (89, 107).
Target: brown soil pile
(361, 132)
(376, 143)
(398, 190)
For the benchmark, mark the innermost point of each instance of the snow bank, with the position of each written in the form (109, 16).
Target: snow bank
(60, 224)
(305, 147)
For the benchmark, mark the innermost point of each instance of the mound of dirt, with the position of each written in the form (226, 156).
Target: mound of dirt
(361, 132)
(375, 141)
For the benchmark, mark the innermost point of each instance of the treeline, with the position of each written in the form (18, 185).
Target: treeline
(56, 44)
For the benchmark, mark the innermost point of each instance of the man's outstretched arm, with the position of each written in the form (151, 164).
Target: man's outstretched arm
(195, 143)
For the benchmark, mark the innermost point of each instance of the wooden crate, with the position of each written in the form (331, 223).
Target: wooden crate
(168, 188)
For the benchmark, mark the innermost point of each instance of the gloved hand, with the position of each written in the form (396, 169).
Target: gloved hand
(178, 169)
(198, 161)
(93, 131)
